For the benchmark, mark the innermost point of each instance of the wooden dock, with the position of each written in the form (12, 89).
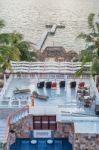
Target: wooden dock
(42, 40)
(58, 25)
(44, 36)
(53, 29)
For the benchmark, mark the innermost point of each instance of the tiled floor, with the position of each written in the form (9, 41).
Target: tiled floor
(61, 97)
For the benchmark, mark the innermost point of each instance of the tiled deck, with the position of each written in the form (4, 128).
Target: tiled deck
(63, 98)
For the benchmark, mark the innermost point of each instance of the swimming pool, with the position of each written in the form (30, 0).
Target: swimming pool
(25, 144)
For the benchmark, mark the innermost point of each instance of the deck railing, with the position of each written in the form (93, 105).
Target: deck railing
(18, 114)
(48, 67)
(5, 87)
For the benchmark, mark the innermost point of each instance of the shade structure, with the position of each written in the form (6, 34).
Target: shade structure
(40, 84)
(54, 85)
(73, 84)
(48, 84)
(62, 83)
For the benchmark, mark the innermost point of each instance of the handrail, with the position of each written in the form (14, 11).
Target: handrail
(5, 87)
(12, 115)
(39, 67)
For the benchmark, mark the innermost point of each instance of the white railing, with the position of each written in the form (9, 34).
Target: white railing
(13, 103)
(47, 67)
(95, 90)
(5, 87)
(17, 115)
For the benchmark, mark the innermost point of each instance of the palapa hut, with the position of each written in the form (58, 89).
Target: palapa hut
(56, 53)
(72, 56)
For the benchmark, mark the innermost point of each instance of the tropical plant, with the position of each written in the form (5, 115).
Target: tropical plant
(13, 47)
(2, 24)
(91, 52)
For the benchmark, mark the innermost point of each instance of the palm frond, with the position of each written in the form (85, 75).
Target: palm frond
(95, 66)
(2, 24)
(79, 72)
(4, 38)
(82, 36)
(86, 37)
(91, 21)
(97, 28)
(14, 53)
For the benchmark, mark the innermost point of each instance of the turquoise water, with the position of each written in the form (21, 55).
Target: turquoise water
(25, 144)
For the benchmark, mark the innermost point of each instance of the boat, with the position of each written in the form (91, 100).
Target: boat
(38, 96)
(18, 91)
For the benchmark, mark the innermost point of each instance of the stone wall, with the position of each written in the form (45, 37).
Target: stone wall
(64, 130)
(86, 142)
(22, 127)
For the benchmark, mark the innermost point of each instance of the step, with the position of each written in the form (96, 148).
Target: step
(18, 117)
(3, 134)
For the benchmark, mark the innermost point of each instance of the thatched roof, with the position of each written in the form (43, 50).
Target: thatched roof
(56, 51)
(72, 56)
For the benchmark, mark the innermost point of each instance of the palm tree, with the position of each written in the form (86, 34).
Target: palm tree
(91, 52)
(2, 24)
(8, 51)
(13, 47)
(16, 39)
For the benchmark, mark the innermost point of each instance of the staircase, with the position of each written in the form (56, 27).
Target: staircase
(13, 118)
(19, 114)
(3, 131)
(3, 134)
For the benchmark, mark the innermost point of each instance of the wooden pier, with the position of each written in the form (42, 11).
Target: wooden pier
(53, 29)
(42, 40)
(58, 25)
(46, 33)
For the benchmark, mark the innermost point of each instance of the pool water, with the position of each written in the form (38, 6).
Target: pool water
(25, 144)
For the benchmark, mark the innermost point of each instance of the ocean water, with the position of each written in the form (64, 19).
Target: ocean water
(30, 17)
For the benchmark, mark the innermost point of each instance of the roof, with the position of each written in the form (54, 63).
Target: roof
(56, 51)
(90, 127)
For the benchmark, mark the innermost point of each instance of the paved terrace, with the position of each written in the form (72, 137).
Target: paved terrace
(62, 102)
(63, 98)
(28, 74)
